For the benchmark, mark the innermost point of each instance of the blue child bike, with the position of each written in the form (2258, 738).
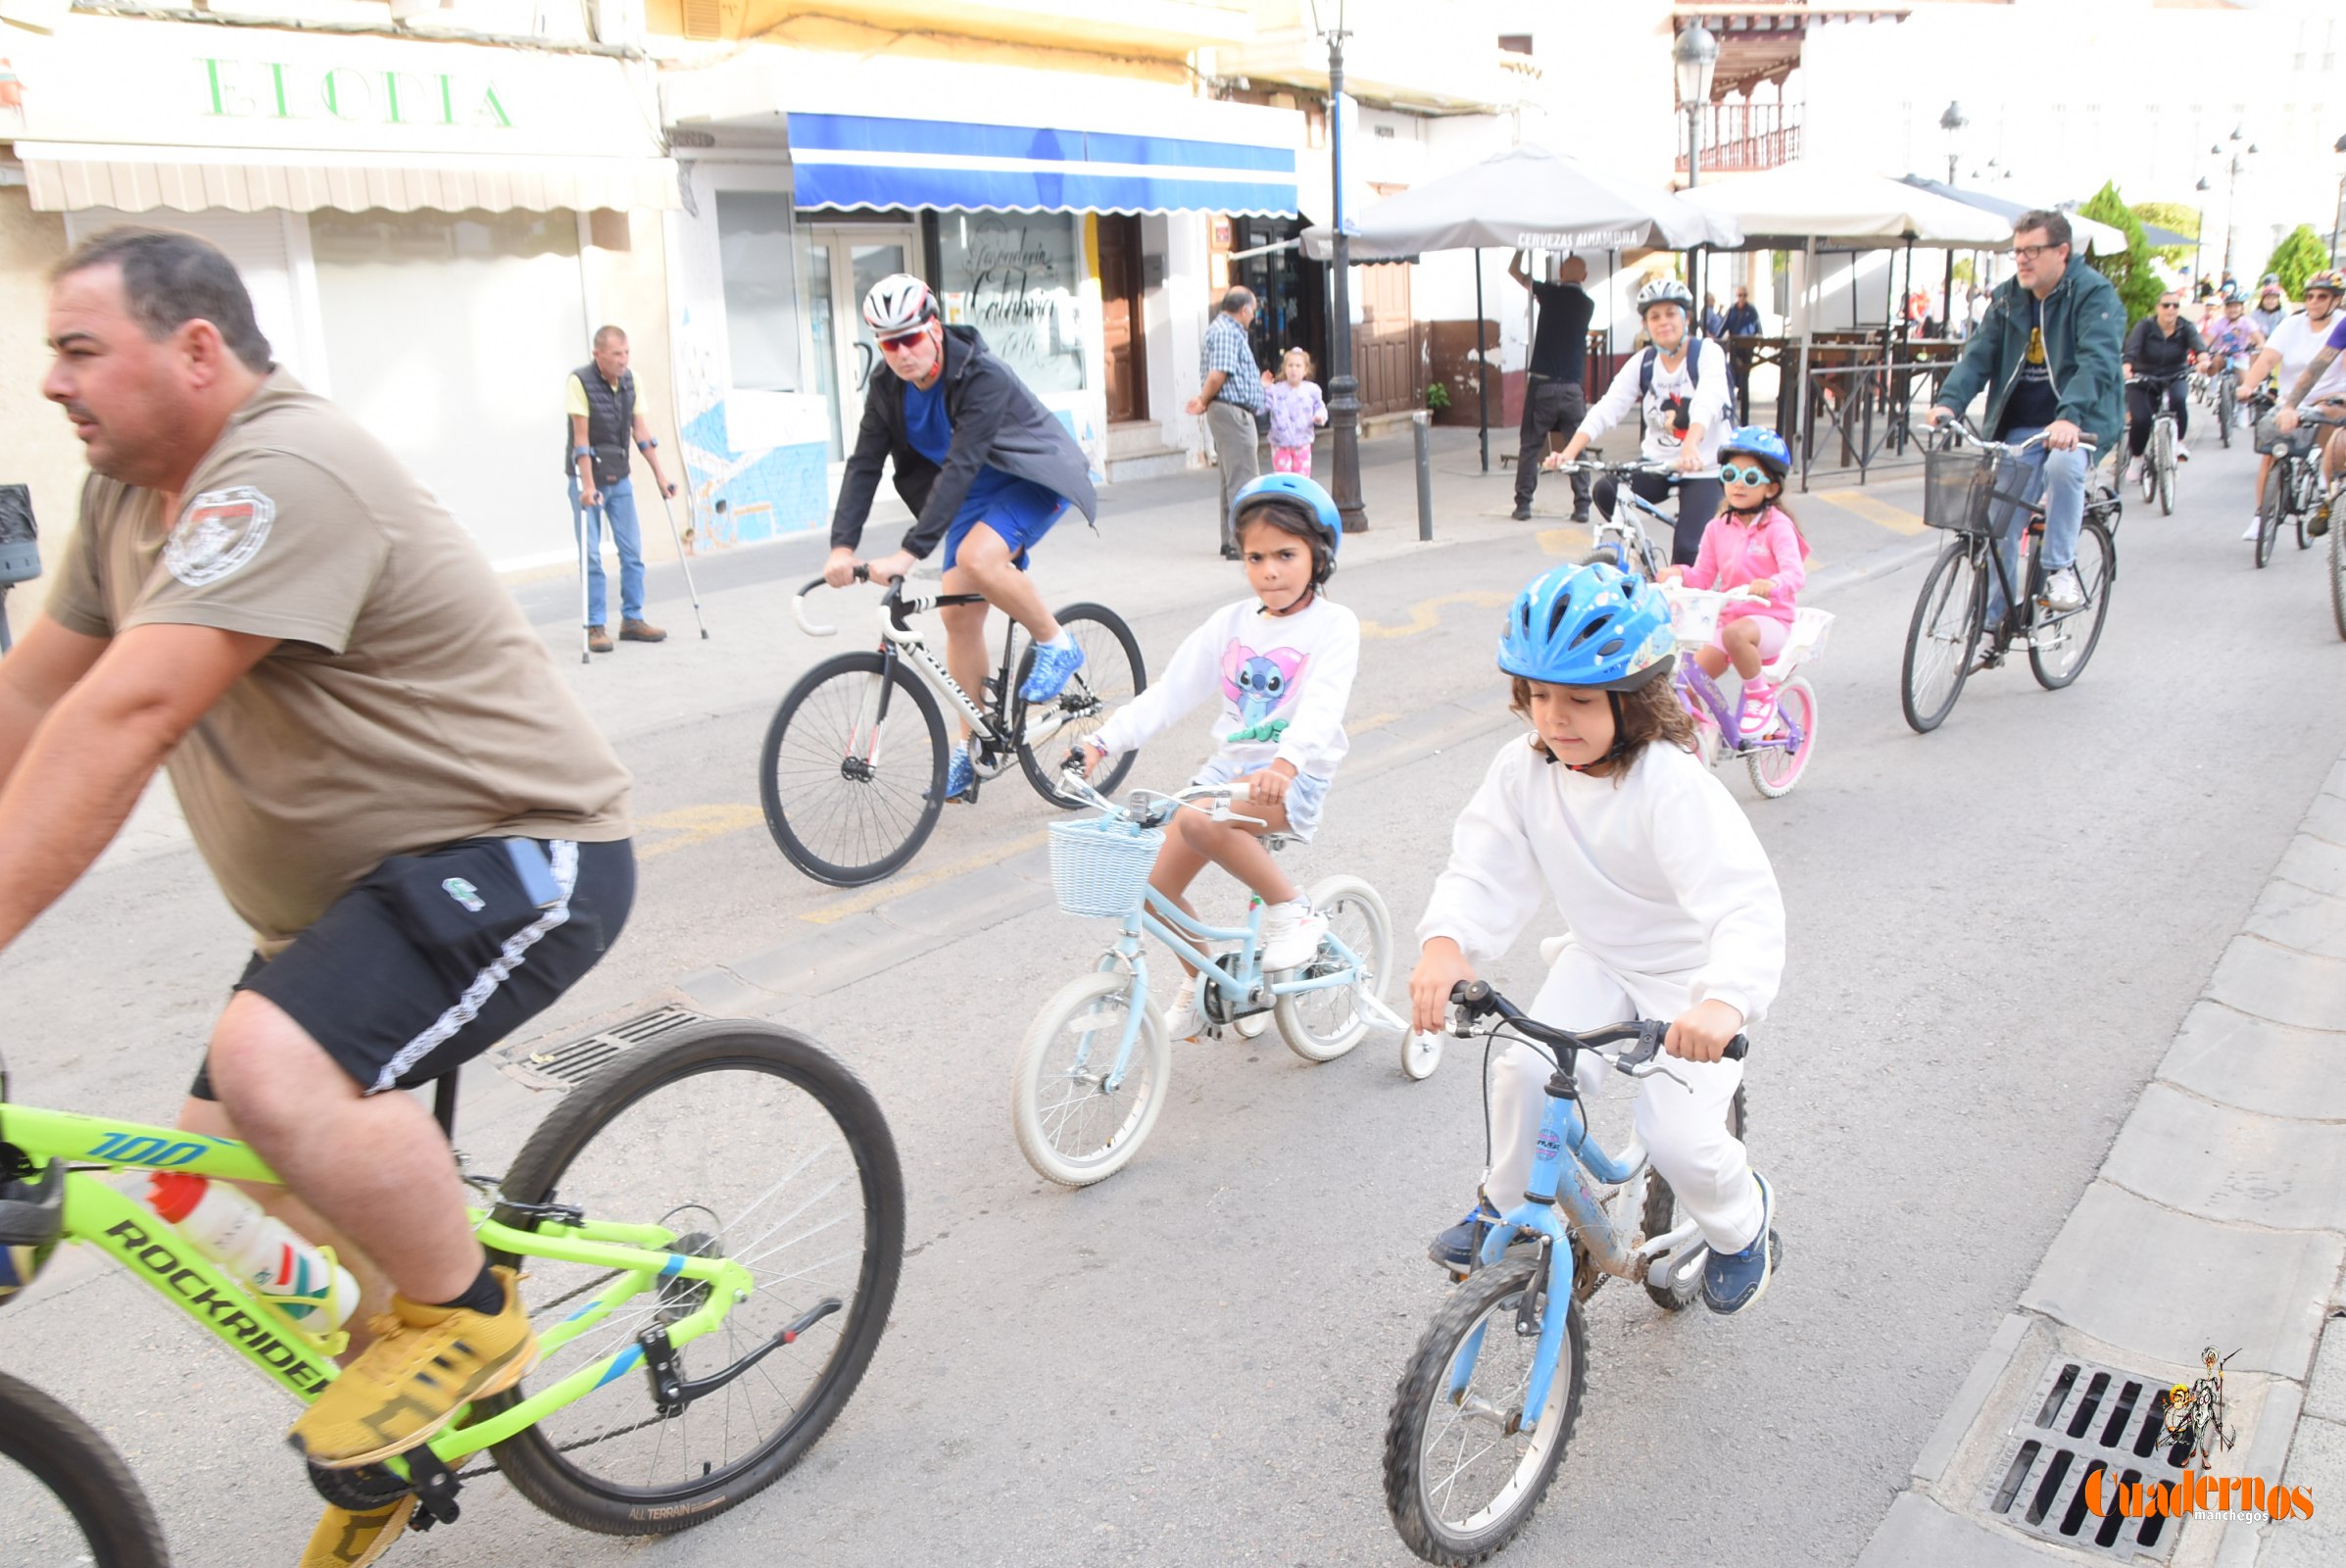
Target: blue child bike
(1487, 1405)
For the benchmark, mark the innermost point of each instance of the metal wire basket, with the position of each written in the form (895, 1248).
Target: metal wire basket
(1967, 490)
(1099, 867)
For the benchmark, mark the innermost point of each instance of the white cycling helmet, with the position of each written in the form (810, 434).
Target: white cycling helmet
(1665, 291)
(898, 303)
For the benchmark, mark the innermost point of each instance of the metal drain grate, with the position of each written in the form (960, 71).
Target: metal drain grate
(2085, 1419)
(574, 1062)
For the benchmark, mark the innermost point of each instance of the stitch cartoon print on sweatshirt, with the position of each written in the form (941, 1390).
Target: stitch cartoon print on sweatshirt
(1259, 685)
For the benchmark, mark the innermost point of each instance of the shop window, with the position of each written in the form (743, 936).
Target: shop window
(1019, 277)
(759, 267)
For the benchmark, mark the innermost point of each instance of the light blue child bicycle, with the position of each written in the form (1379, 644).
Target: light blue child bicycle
(1487, 1405)
(1092, 1076)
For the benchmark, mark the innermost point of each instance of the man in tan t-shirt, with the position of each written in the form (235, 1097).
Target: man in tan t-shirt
(425, 833)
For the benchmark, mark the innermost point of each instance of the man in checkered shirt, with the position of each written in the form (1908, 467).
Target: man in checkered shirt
(1229, 398)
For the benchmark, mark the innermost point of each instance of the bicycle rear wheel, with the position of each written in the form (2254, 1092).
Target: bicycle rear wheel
(2308, 495)
(2059, 645)
(1111, 676)
(1462, 1474)
(2228, 409)
(1660, 1218)
(1775, 769)
(850, 795)
(750, 1141)
(66, 1496)
(1322, 1025)
(1946, 623)
(2337, 562)
(2272, 501)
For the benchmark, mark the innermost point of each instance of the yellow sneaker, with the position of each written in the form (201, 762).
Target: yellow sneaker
(346, 1540)
(427, 1363)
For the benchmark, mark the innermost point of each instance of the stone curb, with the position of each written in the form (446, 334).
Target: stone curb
(2219, 1213)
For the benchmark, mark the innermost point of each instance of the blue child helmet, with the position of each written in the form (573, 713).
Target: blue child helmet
(1593, 625)
(1760, 444)
(1315, 501)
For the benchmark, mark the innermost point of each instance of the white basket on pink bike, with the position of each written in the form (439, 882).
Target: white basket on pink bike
(1810, 630)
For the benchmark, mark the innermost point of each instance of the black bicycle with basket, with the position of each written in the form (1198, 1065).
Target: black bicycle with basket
(1978, 492)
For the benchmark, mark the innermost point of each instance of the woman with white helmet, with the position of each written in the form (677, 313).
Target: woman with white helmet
(1683, 387)
(986, 468)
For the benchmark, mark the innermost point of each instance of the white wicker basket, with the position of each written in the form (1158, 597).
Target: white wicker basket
(1099, 865)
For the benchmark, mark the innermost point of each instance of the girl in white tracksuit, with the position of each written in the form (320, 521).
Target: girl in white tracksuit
(1671, 907)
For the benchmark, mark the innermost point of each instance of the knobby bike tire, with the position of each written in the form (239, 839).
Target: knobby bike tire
(792, 837)
(1956, 558)
(2093, 540)
(1042, 772)
(2272, 501)
(82, 1472)
(529, 1459)
(1423, 1392)
(1660, 1214)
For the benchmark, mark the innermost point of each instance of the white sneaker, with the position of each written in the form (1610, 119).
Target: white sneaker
(2183, 452)
(2256, 525)
(2063, 590)
(1183, 1020)
(2134, 470)
(1291, 935)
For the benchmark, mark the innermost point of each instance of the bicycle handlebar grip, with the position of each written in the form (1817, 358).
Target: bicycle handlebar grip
(1470, 994)
(1739, 1048)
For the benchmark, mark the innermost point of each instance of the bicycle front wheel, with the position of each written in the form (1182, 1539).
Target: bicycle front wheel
(2337, 561)
(1465, 1463)
(852, 771)
(2165, 446)
(2060, 644)
(66, 1494)
(1073, 1125)
(1939, 643)
(1111, 676)
(750, 1141)
(1322, 1025)
(2273, 503)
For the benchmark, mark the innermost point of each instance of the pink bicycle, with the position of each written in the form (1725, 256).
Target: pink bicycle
(1779, 757)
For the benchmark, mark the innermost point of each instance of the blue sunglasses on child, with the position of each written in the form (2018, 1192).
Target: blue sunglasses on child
(1748, 474)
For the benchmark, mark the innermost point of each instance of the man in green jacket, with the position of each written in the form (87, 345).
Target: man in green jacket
(2048, 355)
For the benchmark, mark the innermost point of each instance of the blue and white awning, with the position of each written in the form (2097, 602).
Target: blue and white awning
(867, 161)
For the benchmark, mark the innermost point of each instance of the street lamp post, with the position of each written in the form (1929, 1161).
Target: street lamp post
(2200, 239)
(1694, 58)
(2239, 154)
(1344, 392)
(1952, 122)
(2337, 216)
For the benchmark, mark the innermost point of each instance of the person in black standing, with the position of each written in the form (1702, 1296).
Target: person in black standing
(1742, 320)
(1553, 395)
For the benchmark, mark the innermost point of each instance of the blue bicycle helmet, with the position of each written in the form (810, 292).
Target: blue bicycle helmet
(1761, 445)
(1316, 503)
(1593, 625)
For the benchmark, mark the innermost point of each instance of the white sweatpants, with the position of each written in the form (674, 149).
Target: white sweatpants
(1683, 1129)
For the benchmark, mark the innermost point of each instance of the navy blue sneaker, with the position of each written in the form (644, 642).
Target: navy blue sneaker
(1052, 669)
(1457, 1248)
(1732, 1281)
(960, 776)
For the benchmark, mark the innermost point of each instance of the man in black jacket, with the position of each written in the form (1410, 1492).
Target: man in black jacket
(2159, 351)
(986, 468)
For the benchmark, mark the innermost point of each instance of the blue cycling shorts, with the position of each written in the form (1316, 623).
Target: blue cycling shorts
(1021, 511)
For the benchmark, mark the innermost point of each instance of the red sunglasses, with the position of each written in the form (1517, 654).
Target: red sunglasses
(903, 342)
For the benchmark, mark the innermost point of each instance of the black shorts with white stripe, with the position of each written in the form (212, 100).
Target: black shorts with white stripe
(396, 1006)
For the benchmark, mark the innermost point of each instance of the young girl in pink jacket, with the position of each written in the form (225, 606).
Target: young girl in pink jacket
(1753, 545)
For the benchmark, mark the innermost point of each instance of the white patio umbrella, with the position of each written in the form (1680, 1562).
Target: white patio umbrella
(1801, 202)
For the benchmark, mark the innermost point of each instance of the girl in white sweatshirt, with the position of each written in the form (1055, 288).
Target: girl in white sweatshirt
(1280, 662)
(1673, 911)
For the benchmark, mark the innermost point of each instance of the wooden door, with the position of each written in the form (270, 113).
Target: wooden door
(1384, 347)
(1122, 318)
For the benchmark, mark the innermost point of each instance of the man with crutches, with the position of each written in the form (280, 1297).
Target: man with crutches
(602, 420)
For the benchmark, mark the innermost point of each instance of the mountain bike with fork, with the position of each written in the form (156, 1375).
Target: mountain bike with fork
(1619, 537)
(1094, 1071)
(1486, 1405)
(2158, 454)
(708, 1230)
(852, 771)
(1978, 495)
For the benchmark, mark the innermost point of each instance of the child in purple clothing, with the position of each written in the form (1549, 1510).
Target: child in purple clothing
(1296, 407)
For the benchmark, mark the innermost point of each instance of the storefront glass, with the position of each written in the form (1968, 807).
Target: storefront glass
(762, 294)
(448, 336)
(1018, 278)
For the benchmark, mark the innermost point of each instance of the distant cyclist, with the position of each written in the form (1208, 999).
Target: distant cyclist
(2271, 307)
(1686, 396)
(2292, 350)
(2160, 351)
(2322, 382)
(2233, 339)
(986, 468)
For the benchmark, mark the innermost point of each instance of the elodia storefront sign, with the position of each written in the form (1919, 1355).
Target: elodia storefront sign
(122, 80)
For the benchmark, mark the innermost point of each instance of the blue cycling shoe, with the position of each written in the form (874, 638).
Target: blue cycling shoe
(1732, 1281)
(960, 775)
(1457, 1248)
(1054, 668)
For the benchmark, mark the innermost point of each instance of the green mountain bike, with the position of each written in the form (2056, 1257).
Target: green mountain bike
(710, 1230)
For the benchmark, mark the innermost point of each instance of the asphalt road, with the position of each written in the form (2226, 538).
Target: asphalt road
(1994, 932)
